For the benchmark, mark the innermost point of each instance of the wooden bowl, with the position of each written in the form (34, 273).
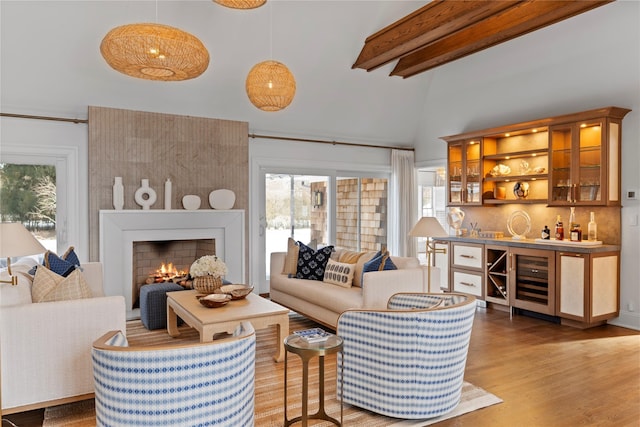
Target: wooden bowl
(214, 300)
(236, 291)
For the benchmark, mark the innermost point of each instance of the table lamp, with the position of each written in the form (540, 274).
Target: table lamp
(429, 227)
(16, 241)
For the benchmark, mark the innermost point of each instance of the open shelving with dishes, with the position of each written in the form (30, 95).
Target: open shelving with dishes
(572, 159)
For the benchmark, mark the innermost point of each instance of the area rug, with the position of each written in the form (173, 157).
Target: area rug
(270, 387)
(82, 414)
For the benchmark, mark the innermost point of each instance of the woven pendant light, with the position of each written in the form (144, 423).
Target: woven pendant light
(241, 4)
(154, 52)
(270, 86)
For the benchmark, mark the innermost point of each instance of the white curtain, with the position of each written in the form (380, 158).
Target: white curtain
(403, 203)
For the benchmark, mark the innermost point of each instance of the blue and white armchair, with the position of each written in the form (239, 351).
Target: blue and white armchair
(179, 385)
(407, 361)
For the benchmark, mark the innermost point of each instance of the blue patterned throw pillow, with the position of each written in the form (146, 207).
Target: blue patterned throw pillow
(381, 261)
(62, 265)
(311, 264)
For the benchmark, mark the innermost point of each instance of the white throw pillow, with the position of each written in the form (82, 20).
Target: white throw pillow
(20, 294)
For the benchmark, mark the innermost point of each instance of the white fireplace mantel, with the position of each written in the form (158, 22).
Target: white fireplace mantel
(120, 228)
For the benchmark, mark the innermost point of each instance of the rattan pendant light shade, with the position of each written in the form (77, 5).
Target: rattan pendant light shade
(154, 52)
(270, 86)
(241, 4)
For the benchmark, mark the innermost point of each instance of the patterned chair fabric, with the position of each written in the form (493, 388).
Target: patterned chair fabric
(407, 361)
(199, 384)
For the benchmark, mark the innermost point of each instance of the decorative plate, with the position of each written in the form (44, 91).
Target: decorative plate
(236, 291)
(214, 300)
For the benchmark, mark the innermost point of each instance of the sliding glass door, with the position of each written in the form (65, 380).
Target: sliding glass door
(302, 207)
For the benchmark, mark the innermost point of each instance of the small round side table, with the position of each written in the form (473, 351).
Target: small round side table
(308, 351)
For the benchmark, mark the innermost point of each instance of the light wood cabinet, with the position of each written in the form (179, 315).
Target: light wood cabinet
(467, 269)
(465, 180)
(497, 274)
(587, 287)
(572, 159)
(585, 161)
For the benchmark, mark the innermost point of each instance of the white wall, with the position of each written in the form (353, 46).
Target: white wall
(589, 61)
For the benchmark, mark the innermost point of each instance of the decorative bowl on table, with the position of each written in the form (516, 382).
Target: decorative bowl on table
(214, 300)
(236, 291)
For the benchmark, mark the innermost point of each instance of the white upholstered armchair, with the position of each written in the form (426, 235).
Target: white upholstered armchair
(208, 383)
(407, 361)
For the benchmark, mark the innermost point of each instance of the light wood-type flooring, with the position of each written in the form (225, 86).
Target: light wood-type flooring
(547, 374)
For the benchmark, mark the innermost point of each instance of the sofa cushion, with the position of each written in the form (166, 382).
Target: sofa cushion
(381, 261)
(49, 286)
(325, 295)
(311, 264)
(339, 273)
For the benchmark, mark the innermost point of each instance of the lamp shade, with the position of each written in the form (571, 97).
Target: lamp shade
(428, 226)
(16, 240)
(154, 52)
(270, 86)
(241, 4)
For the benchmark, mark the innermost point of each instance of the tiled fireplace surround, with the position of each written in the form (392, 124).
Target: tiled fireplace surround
(119, 230)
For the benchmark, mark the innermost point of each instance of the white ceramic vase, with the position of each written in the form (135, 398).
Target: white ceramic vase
(145, 196)
(118, 193)
(167, 194)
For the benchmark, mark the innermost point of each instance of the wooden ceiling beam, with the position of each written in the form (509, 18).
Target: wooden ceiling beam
(422, 27)
(508, 24)
(445, 30)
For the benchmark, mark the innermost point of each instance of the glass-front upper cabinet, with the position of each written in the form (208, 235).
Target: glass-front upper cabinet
(464, 182)
(584, 163)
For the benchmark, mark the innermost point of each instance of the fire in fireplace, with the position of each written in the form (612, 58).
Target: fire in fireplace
(164, 261)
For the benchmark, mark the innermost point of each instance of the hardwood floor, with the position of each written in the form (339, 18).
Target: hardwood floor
(547, 374)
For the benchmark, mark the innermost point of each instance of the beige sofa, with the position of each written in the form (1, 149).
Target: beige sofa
(324, 302)
(46, 347)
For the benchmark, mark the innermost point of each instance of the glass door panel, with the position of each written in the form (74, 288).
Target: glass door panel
(590, 157)
(295, 206)
(472, 171)
(561, 139)
(361, 213)
(455, 174)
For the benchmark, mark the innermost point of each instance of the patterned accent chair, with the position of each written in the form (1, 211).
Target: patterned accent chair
(407, 361)
(179, 385)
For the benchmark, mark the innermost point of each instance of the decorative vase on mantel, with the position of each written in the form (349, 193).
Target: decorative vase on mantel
(118, 193)
(145, 196)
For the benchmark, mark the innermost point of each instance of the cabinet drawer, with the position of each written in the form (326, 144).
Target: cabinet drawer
(467, 256)
(467, 283)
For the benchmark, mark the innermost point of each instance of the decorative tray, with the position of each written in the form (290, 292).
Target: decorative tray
(214, 300)
(235, 291)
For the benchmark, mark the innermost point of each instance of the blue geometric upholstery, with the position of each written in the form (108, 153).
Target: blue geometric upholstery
(407, 361)
(153, 304)
(180, 385)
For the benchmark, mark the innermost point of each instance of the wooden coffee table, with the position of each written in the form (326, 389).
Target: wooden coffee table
(209, 321)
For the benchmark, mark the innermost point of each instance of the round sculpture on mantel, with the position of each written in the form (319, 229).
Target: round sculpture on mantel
(145, 196)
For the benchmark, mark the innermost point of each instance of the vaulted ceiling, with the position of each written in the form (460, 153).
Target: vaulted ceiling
(51, 63)
(446, 30)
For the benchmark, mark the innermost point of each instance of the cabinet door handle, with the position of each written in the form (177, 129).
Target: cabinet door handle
(533, 270)
(468, 284)
(467, 256)
(510, 262)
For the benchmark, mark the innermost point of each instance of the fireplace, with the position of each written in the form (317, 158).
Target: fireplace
(166, 261)
(121, 230)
